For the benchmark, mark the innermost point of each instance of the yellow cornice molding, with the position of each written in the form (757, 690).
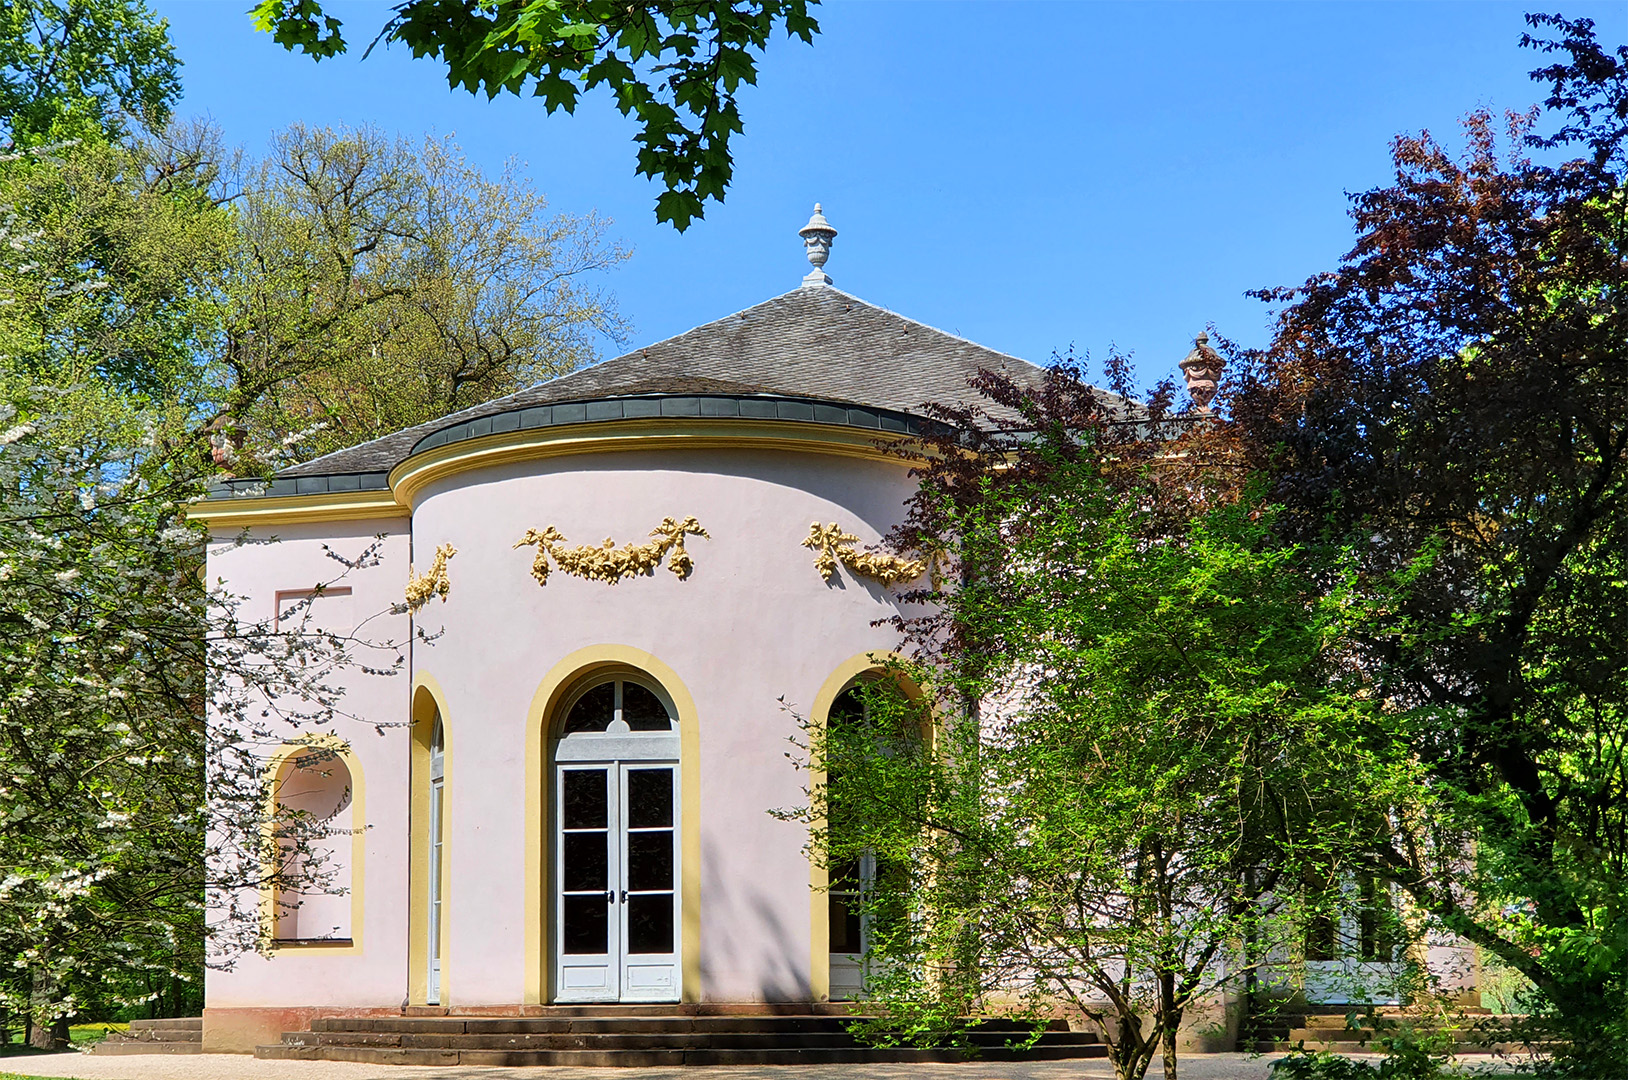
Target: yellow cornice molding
(408, 479)
(251, 510)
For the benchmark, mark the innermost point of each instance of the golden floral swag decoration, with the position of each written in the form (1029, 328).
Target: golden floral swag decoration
(420, 587)
(609, 563)
(833, 545)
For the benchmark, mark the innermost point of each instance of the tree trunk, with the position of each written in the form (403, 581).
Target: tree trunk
(1169, 1021)
(45, 1032)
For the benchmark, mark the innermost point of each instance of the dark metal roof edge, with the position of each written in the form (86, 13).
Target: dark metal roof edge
(591, 411)
(280, 486)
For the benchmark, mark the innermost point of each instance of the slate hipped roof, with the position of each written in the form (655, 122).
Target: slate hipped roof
(813, 342)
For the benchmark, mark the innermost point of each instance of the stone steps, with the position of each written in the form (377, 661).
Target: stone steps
(1472, 1033)
(166, 1035)
(708, 1008)
(1459, 1048)
(588, 1036)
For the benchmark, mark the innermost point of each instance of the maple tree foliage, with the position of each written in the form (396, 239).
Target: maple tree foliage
(675, 66)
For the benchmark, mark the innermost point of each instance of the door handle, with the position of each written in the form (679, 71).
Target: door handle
(624, 896)
(610, 896)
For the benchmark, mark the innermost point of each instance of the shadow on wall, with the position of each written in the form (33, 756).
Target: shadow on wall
(744, 932)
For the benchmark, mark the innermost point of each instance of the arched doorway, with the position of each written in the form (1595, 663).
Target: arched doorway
(872, 693)
(616, 849)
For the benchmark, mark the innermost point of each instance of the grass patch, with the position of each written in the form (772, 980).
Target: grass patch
(89, 1034)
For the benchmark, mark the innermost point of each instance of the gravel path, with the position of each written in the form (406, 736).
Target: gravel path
(238, 1067)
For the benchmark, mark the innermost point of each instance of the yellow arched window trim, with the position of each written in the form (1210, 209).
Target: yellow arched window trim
(429, 703)
(562, 680)
(358, 876)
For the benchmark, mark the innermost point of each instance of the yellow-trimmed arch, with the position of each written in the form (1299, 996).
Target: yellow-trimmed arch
(429, 702)
(358, 868)
(841, 677)
(545, 703)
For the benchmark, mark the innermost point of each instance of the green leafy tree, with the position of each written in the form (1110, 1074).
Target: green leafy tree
(70, 68)
(376, 283)
(1452, 402)
(112, 283)
(1141, 774)
(154, 286)
(675, 66)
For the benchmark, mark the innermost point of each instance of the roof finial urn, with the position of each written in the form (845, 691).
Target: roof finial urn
(817, 236)
(1202, 369)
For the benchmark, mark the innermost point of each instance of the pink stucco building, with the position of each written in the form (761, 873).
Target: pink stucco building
(574, 804)
(612, 588)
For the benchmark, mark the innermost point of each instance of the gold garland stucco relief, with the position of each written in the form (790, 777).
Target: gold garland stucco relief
(420, 587)
(834, 545)
(609, 563)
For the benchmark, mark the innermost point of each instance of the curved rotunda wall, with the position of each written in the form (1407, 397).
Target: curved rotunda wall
(753, 623)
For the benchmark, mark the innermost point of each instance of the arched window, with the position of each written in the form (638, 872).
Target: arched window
(874, 716)
(849, 878)
(313, 795)
(430, 843)
(615, 706)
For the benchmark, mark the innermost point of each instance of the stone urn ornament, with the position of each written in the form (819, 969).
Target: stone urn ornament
(1202, 369)
(817, 236)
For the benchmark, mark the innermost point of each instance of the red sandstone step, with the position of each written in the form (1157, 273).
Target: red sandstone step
(649, 1036)
(625, 1041)
(168, 1023)
(643, 1024)
(723, 1008)
(111, 1048)
(650, 1058)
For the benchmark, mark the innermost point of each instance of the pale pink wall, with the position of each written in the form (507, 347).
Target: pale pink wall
(296, 561)
(753, 623)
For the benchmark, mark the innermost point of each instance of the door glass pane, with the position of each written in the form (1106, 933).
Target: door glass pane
(586, 863)
(586, 923)
(650, 860)
(642, 710)
(584, 798)
(650, 923)
(593, 711)
(649, 798)
(437, 816)
(845, 925)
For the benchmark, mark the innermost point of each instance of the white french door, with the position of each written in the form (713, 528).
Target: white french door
(438, 814)
(616, 881)
(850, 926)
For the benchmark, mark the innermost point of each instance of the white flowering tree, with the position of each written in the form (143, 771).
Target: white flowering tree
(133, 798)
(142, 344)
(110, 729)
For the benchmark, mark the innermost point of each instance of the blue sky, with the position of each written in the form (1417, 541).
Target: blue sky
(1030, 176)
